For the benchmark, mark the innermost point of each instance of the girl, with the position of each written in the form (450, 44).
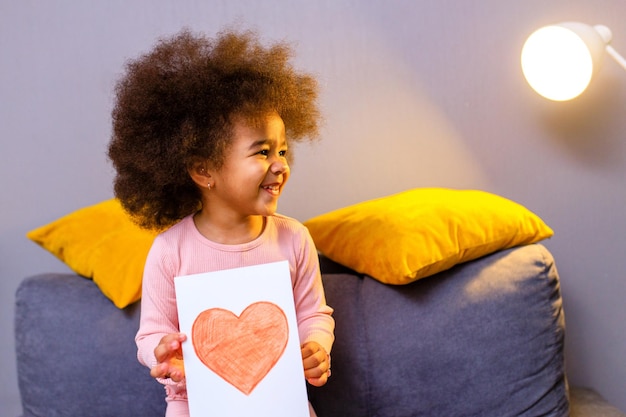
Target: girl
(200, 147)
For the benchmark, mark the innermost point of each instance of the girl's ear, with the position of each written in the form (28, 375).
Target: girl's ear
(200, 174)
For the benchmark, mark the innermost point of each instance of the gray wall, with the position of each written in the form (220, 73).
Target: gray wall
(415, 93)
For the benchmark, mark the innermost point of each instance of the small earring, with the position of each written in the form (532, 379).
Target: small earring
(209, 186)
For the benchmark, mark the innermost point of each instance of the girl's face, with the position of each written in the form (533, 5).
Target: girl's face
(255, 169)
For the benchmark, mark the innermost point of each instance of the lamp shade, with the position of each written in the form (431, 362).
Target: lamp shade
(560, 60)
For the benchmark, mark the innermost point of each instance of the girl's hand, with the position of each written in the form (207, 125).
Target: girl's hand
(316, 363)
(169, 356)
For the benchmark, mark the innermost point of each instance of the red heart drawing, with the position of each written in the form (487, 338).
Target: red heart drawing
(241, 350)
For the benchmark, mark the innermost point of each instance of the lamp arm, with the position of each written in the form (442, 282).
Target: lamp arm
(620, 59)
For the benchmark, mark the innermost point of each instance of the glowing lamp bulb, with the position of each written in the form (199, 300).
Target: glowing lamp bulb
(557, 63)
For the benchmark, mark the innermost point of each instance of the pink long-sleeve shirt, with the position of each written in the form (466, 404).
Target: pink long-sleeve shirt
(182, 250)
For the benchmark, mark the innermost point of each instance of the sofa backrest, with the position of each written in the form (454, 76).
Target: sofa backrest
(484, 338)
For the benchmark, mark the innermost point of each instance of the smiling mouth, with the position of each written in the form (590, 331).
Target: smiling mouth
(273, 189)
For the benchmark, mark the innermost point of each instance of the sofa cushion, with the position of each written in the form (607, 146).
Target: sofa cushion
(76, 354)
(484, 338)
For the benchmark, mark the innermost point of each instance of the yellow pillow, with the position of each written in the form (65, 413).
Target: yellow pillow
(417, 233)
(102, 243)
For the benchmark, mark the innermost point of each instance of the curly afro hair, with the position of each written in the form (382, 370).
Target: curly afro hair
(176, 104)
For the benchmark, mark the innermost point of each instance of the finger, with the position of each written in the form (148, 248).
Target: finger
(177, 371)
(173, 337)
(164, 351)
(318, 382)
(317, 360)
(173, 370)
(159, 371)
(169, 346)
(317, 371)
(309, 349)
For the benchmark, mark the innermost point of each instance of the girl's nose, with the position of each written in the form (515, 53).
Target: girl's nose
(279, 166)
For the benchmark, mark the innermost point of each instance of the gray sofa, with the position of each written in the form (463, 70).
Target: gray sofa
(484, 338)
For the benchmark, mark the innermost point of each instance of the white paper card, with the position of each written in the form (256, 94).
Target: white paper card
(242, 354)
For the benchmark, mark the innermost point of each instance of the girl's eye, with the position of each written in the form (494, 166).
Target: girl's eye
(283, 152)
(264, 152)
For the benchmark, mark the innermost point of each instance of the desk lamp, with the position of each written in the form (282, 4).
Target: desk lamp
(559, 60)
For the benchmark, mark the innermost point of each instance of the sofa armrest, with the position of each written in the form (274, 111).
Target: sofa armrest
(585, 402)
(76, 354)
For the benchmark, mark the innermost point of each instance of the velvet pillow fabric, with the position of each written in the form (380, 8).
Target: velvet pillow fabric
(407, 236)
(102, 243)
